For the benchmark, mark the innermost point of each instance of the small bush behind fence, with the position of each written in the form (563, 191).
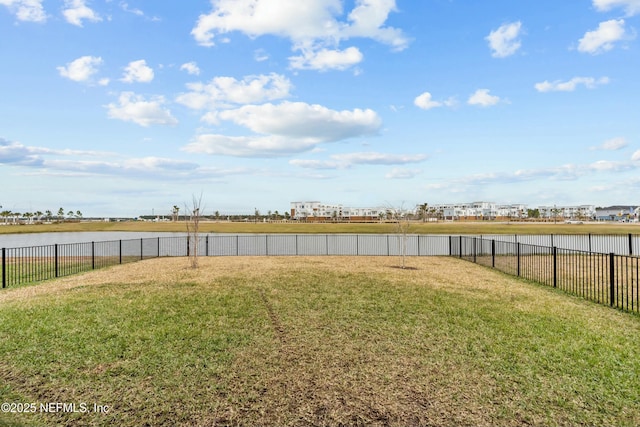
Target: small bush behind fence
(605, 278)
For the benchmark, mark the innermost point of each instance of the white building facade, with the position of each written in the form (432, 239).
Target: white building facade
(479, 211)
(582, 212)
(318, 211)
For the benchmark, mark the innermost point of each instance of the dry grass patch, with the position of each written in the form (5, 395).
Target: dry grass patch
(316, 341)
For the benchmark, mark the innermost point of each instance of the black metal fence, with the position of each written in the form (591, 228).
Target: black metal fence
(38, 263)
(619, 244)
(610, 278)
(605, 278)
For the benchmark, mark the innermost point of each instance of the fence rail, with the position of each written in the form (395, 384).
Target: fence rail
(564, 262)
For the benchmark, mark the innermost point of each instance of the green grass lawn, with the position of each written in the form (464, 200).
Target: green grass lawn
(314, 341)
(487, 227)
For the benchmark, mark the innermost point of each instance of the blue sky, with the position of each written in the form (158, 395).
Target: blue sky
(128, 108)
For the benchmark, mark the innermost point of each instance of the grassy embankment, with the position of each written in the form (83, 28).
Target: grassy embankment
(451, 228)
(315, 341)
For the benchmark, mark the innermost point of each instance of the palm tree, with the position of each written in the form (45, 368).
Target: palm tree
(5, 215)
(48, 215)
(174, 212)
(78, 214)
(423, 211)
(60, 214)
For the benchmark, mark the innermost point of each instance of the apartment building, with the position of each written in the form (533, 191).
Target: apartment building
(321, 212)
(582, 212)
(480, 211)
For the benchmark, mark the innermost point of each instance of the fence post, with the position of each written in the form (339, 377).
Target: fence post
(188, 245)
(158, 248)
(120, 251)
(4, 268)
(460, 246)
(206, 248)
(555, 267)
(630, 244)
(518, 253)
(93, 255)
(612, 279)
(141, 250)
(450, 246)
(55, 259)
(475, 242)
(493, 253)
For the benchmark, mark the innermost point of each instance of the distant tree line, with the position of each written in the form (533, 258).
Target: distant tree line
(9, 216)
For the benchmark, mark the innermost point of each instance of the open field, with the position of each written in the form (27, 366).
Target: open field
(314, 341)
(360, 228)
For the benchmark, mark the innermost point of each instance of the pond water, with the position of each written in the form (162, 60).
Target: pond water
(41, 239)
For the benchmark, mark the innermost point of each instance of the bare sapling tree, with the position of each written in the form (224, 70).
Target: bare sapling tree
(402, 225)
(192, 219)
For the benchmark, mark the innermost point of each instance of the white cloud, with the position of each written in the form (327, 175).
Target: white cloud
(285, 129)
(326, 59)
(317, 164)
(375, 158)
(260, 55)
(134, 108)
(76, 10)
(135, 11)
(567, 172)
(425, 102)
(504, 41)
(482, 98)
(313, 26)
(226, 91)
(12, 152)
(571, 85)
(401, 173)
(16, 153)
(137, 71)
(612, 144)
(305, 121)
(602, 39)
(248, 146)
(632, 7)
(347, 160)
(26, 10)
(191, 68)
(367, 20)
(81, 69)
